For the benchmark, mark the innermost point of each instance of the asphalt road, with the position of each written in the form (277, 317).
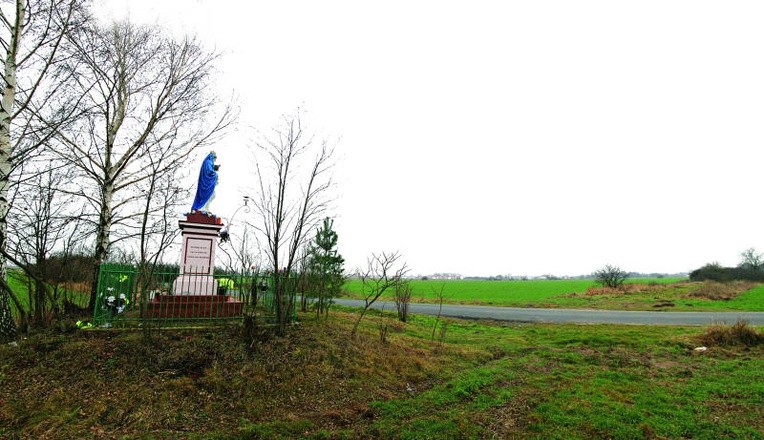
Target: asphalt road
(574, 316)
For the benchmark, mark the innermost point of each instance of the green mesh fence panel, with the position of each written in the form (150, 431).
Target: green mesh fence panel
(129, 294)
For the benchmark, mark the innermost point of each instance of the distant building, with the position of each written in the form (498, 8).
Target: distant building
(443, 276)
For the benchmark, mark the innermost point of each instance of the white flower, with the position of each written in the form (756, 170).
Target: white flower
(121, 296)
(109, 289)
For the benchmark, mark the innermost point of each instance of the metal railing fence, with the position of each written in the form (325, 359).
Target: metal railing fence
(132, 294)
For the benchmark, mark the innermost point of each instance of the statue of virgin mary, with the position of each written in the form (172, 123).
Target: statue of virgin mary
(205, 188)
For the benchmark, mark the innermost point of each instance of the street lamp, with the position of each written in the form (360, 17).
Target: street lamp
(224, 234)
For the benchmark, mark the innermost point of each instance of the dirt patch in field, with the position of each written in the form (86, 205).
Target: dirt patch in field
(511, 419)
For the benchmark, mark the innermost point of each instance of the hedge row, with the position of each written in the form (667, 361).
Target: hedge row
(722, 274)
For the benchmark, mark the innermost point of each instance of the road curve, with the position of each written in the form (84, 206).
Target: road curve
(570, 316)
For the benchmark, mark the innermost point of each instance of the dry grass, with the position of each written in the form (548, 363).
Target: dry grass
(721, 291)
(177, 382)
(737, 334)
(625, 289)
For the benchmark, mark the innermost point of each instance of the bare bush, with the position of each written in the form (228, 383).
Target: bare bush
(402, 300)
(383, 327)
(441, 297)
(442, 336)
(720, 291)
(739, 333)
(610, 276)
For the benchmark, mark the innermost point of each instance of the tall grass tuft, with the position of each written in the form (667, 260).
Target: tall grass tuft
(739, 333)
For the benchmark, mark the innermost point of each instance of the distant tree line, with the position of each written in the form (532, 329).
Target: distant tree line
(750, 268)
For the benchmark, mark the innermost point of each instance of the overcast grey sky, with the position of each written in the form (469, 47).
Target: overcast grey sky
(508, 137)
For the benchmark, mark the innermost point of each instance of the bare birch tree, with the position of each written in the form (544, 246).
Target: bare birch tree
(31, 35)
(147, 96)
(293, 185)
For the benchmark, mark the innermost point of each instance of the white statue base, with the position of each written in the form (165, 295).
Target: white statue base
(197, 255)
(194, 285)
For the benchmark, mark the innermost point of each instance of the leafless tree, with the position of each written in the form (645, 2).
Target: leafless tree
(402, 300)
(304, 277)
(383, 326)
(42, 222)
(240, 249)
(162, 197)
(31, 35)
(68, 264)
(293, 185)
(751, 259)
(383, 272)
(441, 297)
(148, 97)
(156, 226)
(610, 276)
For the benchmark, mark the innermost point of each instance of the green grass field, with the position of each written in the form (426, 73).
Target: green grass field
(483, 381)
(677, 297)
(486, 292)
(657, 294)
(585, 382)
(17, 281)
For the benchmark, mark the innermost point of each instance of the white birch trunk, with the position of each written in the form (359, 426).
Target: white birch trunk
(102, 236)
(7, 326)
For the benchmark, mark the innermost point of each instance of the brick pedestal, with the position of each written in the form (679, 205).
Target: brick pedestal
(193, 306)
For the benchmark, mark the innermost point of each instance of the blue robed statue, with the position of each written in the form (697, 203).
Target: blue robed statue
(205, 189)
